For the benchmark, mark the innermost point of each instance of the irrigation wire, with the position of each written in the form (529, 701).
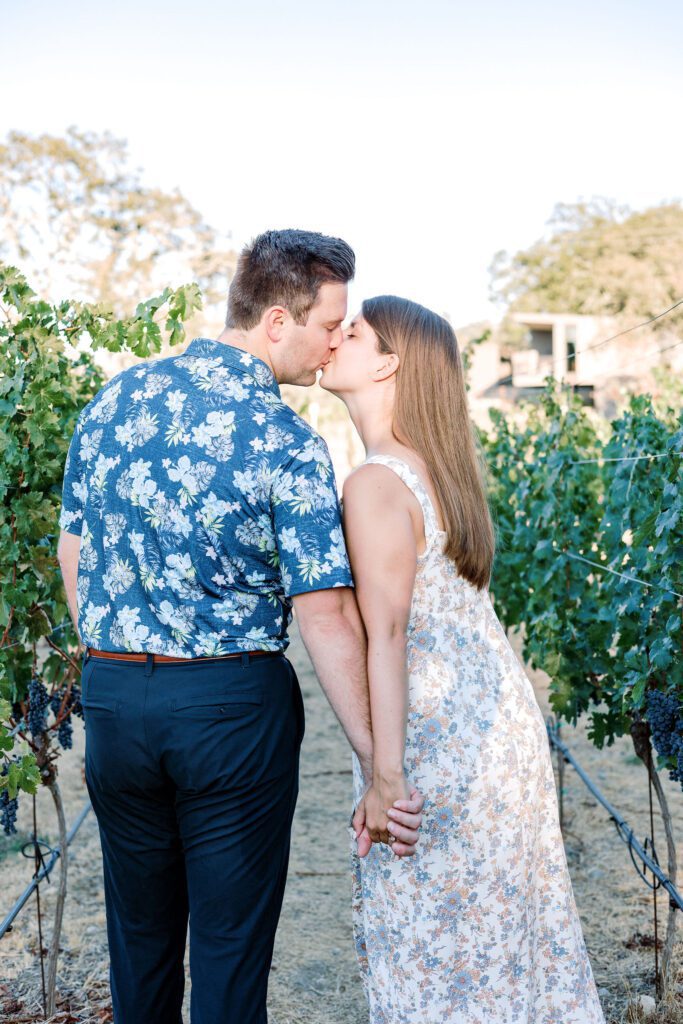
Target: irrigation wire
(624, 830)
(43, 873)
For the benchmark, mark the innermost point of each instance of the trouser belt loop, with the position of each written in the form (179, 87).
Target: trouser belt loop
(149, 664)
(245, 659)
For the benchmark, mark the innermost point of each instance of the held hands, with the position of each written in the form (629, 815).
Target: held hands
(390, 812)
(383, 794)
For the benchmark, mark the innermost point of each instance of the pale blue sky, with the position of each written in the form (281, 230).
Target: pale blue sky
(429, 135)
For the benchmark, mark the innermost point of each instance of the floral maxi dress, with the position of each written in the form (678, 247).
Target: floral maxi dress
(480, 926)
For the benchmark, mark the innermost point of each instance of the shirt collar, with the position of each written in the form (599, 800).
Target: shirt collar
(236, 360)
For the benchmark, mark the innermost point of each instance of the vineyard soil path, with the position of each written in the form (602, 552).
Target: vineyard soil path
(314, 978)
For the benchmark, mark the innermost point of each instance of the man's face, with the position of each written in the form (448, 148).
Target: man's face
(304, 349)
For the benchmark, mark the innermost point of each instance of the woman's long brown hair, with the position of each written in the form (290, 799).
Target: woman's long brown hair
(431, 416)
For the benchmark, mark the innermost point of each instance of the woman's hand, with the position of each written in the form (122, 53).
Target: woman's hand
(405, 823)
(406, 819)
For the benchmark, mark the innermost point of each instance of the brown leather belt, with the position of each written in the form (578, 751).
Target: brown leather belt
(158, 658)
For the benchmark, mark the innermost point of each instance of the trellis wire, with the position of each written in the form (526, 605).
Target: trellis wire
(599, 565)
(598, 344)
(631, 579)
(622, 458)
(619, 334)
(620, 370)
(23, 643)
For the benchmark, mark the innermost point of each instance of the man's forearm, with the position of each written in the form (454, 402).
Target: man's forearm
(67, 553)
(336, 646)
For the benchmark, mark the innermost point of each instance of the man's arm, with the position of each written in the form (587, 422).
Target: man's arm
(68, 550)
(333, 634)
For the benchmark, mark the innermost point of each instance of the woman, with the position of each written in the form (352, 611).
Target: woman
(480, 925)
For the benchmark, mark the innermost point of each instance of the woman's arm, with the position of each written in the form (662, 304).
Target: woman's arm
(381, 543)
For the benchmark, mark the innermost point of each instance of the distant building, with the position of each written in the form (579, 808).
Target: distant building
(559, 345)
(581, 352)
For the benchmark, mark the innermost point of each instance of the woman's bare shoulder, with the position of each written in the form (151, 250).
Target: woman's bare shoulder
(372, 481)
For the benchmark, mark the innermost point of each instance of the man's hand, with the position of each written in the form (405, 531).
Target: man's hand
(382, 794)
(405, 820)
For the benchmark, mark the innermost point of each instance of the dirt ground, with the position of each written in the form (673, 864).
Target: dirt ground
(314, 979)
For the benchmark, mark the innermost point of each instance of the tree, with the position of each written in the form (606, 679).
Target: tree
(599, 259)
(79, 221)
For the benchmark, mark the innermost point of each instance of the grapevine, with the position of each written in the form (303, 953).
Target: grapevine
(589, 566)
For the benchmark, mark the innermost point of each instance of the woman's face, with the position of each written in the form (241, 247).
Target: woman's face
(351, 365)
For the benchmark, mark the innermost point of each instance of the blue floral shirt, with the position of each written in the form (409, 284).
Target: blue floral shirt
(203, 504)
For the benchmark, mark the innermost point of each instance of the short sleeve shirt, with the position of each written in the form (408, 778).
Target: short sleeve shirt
(203, 503)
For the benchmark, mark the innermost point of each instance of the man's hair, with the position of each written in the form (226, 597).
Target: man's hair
(285, 268)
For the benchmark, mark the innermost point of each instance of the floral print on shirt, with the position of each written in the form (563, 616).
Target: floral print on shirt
(203, 504)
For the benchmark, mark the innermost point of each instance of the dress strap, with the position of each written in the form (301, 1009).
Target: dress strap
(414, 484)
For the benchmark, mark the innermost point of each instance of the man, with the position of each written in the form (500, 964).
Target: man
(197, 510)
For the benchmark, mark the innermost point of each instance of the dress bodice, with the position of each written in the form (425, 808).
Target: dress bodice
(414, 484)
(439, 588)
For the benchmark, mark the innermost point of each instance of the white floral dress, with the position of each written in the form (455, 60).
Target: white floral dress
(481, 924)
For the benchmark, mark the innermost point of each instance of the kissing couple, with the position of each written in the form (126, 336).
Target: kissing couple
(199, 513)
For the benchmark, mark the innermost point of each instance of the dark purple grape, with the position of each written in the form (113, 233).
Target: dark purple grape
(39, 700)
(65, 734)
(663, 714)
(8, 808)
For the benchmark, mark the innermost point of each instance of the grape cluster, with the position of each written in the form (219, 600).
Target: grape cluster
(38, 702)
(8, 807)
(75, 702)
(71, 704)
(664, 716)
(65, 734)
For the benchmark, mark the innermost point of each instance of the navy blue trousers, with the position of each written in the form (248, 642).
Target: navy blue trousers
(192, 770)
